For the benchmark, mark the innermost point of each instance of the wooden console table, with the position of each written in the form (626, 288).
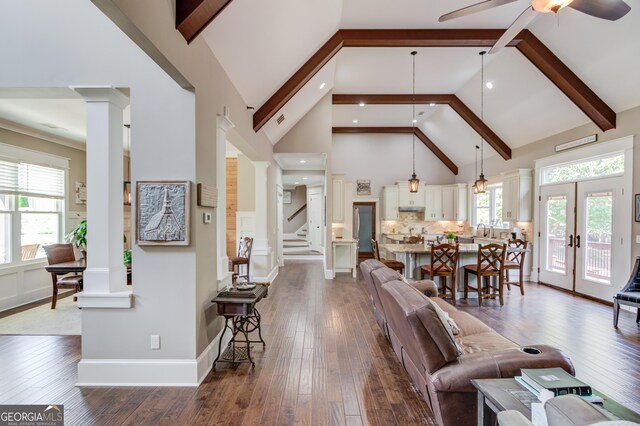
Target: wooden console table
(240, 316)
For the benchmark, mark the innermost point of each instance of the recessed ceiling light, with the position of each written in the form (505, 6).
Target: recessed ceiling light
(304, 178)
(322, 86)
(296, 183)
(303, 161)
(432, 104)
(414, 121)
(489, 85)
(355, 121)
(361, 104)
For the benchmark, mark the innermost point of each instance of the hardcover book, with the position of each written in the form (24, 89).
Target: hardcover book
(555, 380)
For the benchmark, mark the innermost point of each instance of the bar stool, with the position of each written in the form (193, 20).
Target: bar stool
(243, 258)
(396, 265)
(490, 264)
(515, 260)
(444, 263)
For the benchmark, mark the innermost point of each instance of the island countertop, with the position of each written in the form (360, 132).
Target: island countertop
(426, 248)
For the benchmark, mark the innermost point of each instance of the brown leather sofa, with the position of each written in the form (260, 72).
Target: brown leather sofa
(442, 367)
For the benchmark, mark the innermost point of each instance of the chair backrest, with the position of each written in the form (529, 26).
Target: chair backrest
(59, 253)
(444, 258)
(491, 257)
(634, 280)
(29, 251)
(374, 248)
(245, 246)
(517, 256)
(413, 239)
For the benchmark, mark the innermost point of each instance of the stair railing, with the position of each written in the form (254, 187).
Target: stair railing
(296, 213)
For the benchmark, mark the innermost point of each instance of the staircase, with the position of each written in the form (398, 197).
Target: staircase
(297, 247)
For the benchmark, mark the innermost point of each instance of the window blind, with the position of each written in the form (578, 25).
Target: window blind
(31, 180)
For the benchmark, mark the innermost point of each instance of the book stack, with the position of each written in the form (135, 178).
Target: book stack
(547, 383)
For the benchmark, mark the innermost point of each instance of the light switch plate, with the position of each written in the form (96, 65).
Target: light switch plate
(637, 239)
(155, 341)
(206, 217)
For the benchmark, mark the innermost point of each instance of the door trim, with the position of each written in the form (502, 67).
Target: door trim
(373, 205)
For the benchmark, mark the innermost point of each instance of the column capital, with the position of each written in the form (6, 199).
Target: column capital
(224, 123)
(102, 94)
(264, 165)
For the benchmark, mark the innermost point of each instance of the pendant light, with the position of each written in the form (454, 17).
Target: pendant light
(475, 187)
(414, 182)
(481, 183)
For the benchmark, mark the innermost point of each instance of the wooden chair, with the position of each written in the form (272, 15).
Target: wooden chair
(444, 263)
(396, 265)
(515, 260)
(60, 253)
(29, 251)
(629, 295)
(490, 264)
(413, 239)
(243, 258)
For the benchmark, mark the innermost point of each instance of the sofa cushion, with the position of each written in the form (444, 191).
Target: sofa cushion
(444, 320)
(482, 342)
(468, 324)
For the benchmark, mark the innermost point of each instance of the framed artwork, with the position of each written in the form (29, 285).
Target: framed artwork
(637, 208)
(363, 187)
(286, 197)
(162, 217)
(81, 192)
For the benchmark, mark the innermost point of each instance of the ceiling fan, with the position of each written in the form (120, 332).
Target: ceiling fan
(611, 10)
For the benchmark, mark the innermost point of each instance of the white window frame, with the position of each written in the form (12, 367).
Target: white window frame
(18, 154)
(492, 203)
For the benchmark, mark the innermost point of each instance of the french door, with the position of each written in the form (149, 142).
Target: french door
(584, 244)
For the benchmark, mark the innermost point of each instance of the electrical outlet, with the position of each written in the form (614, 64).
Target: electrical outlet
(155, 341)
(637, 239)
(206, 217)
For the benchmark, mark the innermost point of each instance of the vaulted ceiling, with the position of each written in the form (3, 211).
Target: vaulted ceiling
(262, 44)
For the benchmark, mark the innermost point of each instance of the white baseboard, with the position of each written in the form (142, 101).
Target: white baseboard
(328, 274)
(294, 256)
(269, 278)
(206, 358)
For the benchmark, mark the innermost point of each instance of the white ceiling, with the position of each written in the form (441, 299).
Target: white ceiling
(275, 39)
(307, 162)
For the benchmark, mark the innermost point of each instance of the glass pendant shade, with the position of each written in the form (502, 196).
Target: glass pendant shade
(475, 188)
(481, 184)
(414, 183)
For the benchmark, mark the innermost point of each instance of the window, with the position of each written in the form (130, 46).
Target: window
(31, 209)
(488, 206)
(608, 165)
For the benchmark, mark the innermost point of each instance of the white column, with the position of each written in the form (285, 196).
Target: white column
(223, 125)
(261, 254)
(105, 279)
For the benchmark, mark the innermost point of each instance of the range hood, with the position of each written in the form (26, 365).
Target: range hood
(411, 209)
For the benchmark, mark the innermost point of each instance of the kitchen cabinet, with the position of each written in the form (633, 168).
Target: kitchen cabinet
(390, 202)
(407, 198)
(433, 203)
(517, 192)
(454, 202)
(338, 198)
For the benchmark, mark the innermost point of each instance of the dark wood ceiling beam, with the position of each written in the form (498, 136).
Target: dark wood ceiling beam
(440, 99)
(192, 16)
(569, 83)
(403, 130)
(532, 48)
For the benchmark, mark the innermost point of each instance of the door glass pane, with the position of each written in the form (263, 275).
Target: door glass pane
(5, 238)
(556, 234)
(597, 244)
(365, 233)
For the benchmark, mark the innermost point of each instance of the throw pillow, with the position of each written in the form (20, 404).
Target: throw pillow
(442, 316)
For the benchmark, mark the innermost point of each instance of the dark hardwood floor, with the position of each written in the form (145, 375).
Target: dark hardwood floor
(326, 361)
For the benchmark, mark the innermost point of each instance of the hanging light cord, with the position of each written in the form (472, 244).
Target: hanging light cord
(413, 107)
(482, 111)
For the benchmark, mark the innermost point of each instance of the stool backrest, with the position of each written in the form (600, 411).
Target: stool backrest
(375, 249)
(444, 257)
(491, 257)
(245, 246)
(517, 256)
(413, 239)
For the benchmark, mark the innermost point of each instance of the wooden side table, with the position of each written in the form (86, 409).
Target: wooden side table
(240, 317)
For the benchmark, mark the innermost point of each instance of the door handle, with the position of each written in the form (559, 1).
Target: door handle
(570, 241)
(577, 241)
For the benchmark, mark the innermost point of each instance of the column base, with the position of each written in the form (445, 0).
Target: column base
(116, 300)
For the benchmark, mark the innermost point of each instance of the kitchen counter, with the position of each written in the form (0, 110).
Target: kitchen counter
(426, 248)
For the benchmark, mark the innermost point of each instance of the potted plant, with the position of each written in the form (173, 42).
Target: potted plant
(451, 237)
(78, 236)
(127, 257)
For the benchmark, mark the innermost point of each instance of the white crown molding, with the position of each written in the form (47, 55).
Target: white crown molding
(28, 131)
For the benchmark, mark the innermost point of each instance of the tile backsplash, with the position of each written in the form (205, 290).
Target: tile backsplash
(415, 221)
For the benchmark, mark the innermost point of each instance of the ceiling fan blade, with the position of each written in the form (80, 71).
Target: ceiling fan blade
(474, 8)
(518, 25)
(611, 10)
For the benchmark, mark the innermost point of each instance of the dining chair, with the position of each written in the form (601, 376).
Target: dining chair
(514, 260)
(243, 258)
(413, 239)
(396, 265)
(490, 264)
(60, 253)
(444, 263)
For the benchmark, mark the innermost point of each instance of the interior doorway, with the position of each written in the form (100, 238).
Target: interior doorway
(364, 228)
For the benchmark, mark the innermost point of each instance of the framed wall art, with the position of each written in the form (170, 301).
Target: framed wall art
(363, 187)
(286, 197)
(162, 217)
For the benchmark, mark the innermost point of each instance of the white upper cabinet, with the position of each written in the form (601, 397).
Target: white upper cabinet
(390, 202)
(517, 193)
(454, 202)
(410, 199)
(433, 206)
(338, 198)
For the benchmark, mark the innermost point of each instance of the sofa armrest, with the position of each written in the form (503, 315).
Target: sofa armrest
(426, 287)
(512, 418)
(457, 375)
(571, 409)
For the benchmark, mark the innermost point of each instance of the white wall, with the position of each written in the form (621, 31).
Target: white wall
(385, 160)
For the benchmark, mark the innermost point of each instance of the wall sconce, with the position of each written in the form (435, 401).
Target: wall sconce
(126, 192)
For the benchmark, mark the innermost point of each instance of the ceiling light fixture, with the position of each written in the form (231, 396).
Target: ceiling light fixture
(547, 6)
(414, 182)
(304, 178)
(296, 183)
(475, 187)
(322, 86)
(481, 183)
(361, 104)
(355, 121)
(432, 104)
(489, 85)
(303, 161)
